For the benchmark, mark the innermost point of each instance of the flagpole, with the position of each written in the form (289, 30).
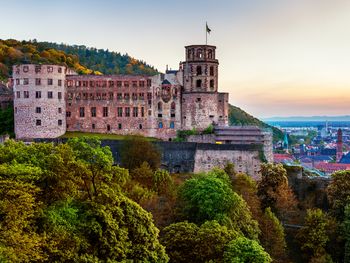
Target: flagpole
(206, 33)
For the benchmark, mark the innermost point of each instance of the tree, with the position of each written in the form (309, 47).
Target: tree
(186, 242)
(339, 193)
(243, 250)
(138, 150)
(272, 236)
(274, 192)
(313, 236)
(346, 233)
(210, 197)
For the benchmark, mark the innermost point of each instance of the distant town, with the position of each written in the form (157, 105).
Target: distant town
(320, 147)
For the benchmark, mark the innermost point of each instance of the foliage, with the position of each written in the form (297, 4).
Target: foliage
(136, 151)
(243, 250)
(7, 121)
(105, 61)
(181, 135)
(186, 242)
(274, 192)
(65, 203)
(79, 58)
(338, 193)
(210, 197)
(313, 236)
(346, 233)
(209, 129)
(272, 236)
(237, 116)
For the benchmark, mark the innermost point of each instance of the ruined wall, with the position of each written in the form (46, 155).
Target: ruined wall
(39, 102)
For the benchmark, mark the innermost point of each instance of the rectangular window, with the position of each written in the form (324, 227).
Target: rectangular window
(82, 112)
(134, 84)
(120, 111)
(149, 83)
(38, 122)
(142, 112)
(59, 95)
(149, 95)
(38, 94)
(25, 81)
(119, 126)
(59, 82)
(59, 122)
(49, 69)
(25, 68)
(142, 96)
(119, 96)
(111, 84)
(92, 83)
(110, 95)
(142, 83)
(38, 110)
(126, 84)
(49, 81)
(134, 96)
(93, 112)
(127, 112)
(126, 96)
(49, 94)
(17, 81)
(59, 110)
(59, 70)
(38, 82)
(93, 126)
(105, 111)
(18, 94)
(135, 112)
(119, 84)
(68, 114)
(26, 94)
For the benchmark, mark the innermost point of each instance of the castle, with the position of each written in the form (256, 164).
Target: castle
(51, 99)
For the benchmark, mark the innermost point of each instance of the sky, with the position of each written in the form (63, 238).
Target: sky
(277, 57)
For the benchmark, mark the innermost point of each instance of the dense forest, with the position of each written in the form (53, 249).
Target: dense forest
(80, 58)
(70, 203)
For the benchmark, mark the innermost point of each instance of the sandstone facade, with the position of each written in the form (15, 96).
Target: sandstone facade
(155, 106)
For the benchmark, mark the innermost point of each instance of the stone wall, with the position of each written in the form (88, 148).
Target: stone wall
(39, 103)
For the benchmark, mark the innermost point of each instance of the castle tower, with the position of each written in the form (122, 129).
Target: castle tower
(339, 145)
(202, 104)
(39, 101)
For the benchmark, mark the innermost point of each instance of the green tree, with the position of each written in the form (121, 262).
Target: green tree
(313, 236)
(210, 197)
(346, 233)
(136, 151)
(339, 193)
(244, 250)
(186, 242)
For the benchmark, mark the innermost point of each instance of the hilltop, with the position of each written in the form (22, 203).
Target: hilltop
(80, 58)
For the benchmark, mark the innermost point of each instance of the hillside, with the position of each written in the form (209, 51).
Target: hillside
(80, 58)
(104, 61)
(239, 117)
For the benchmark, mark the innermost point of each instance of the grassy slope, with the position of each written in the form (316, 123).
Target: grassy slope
(239, 117)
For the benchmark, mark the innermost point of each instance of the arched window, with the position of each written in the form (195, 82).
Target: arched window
(199, 70)
(172, 125)
(189, 53)
(160, 125)
(160, 106)
(210, 54)
(173, 106)
(199, 53)
(199, 83)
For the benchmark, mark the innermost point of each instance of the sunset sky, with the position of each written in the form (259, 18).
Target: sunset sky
(277, 57)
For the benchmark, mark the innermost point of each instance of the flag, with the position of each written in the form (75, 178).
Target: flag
(208, 29)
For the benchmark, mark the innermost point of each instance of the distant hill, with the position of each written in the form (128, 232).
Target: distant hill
(80, 58)
(239, 117)
(309, 118)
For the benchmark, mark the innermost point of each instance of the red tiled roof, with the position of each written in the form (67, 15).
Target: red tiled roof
(332, 167)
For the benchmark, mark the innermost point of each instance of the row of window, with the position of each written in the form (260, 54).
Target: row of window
(199, 83)
(38, 95)
(39, 69)
(108, 96)
(38, 82)
(199, 53)
(120, 126)
(199, 71)
(38, 122)
(110, 83)
(126, 112)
